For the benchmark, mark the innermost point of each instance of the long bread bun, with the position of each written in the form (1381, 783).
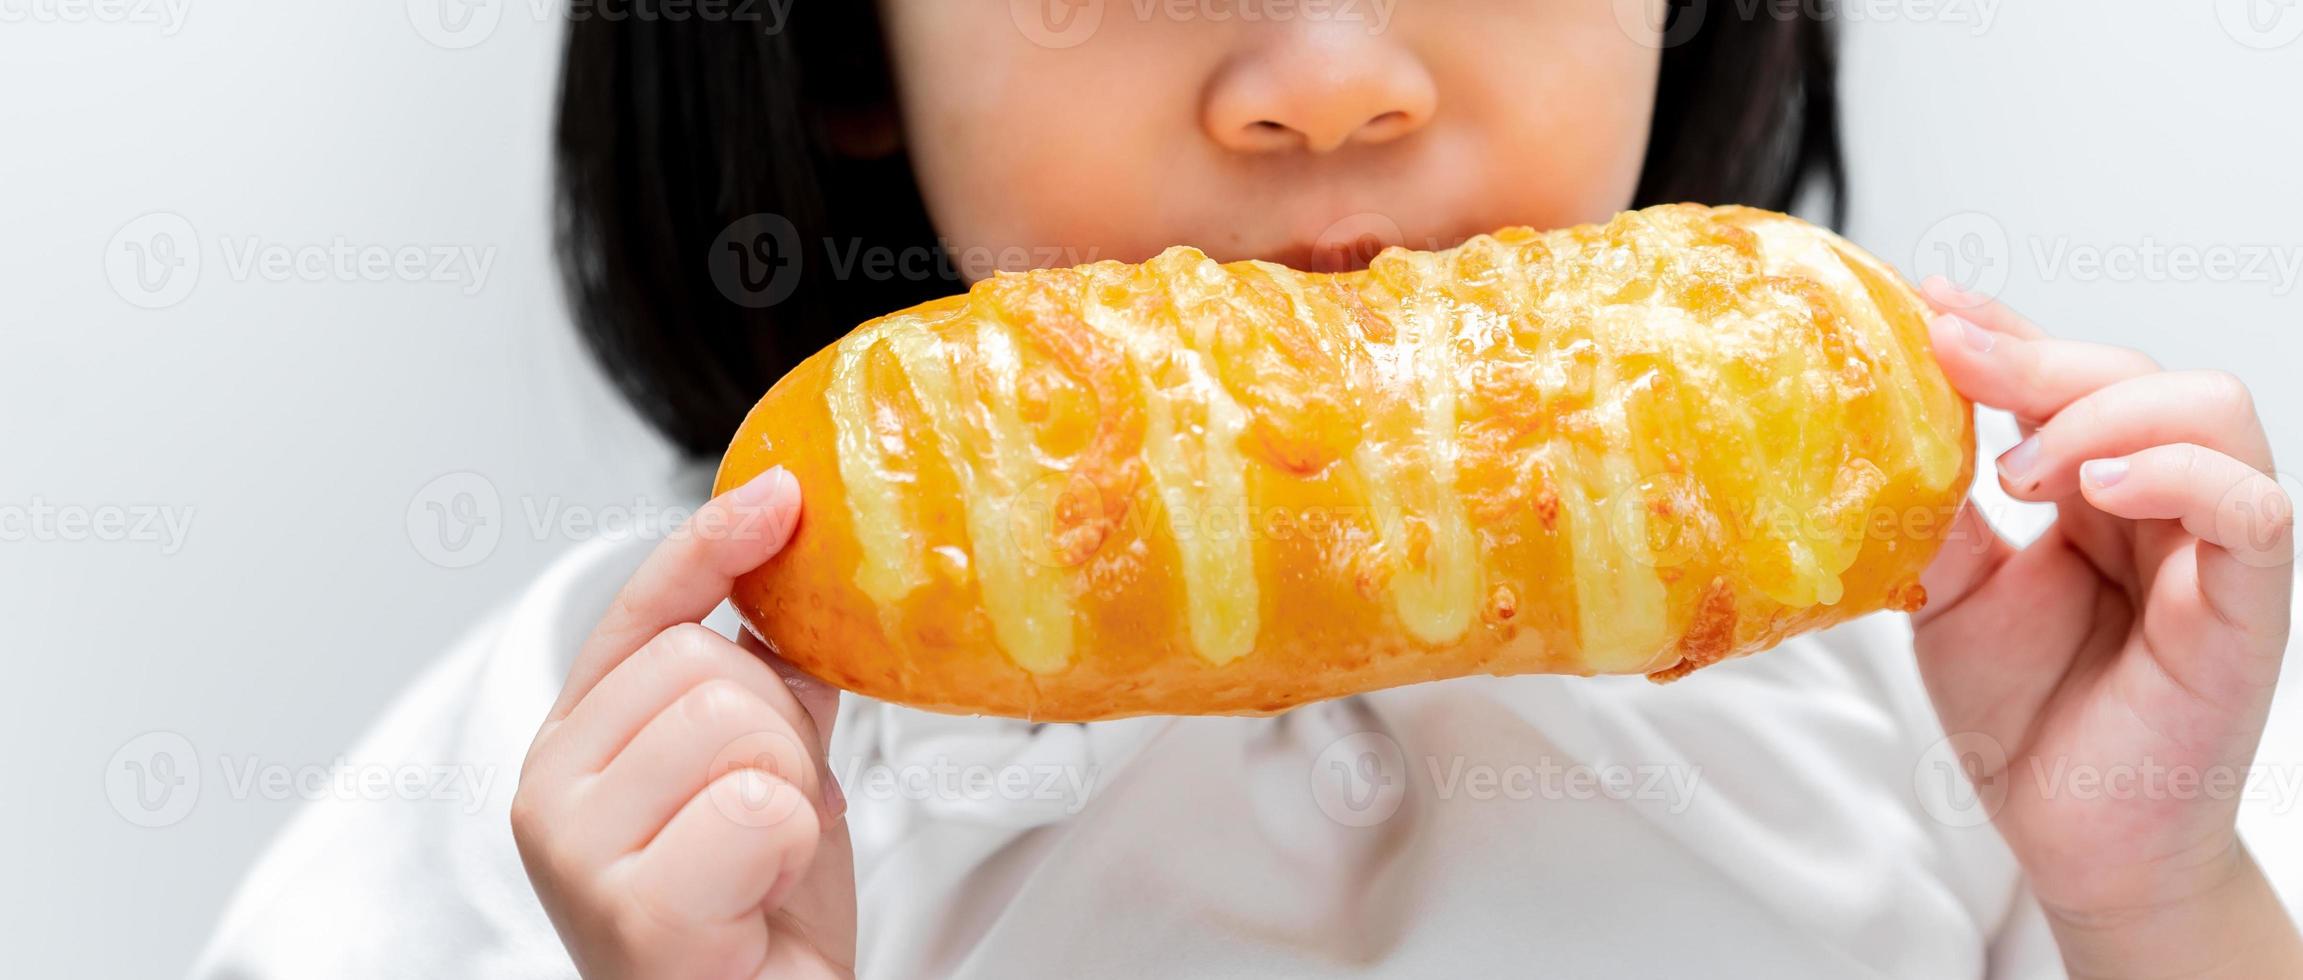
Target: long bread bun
(1184, 487)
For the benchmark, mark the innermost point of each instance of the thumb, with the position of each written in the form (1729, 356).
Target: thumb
(1970, 552)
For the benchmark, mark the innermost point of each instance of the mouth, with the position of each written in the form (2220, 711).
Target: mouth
(1349, 256)
(1349, 249)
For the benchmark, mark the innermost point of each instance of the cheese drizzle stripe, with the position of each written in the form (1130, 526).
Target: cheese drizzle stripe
(893, 562)
(1026, 600)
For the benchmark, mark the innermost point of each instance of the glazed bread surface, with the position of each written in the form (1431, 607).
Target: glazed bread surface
(1185, 487)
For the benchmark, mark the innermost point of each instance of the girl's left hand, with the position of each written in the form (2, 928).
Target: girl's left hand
(2117, 673)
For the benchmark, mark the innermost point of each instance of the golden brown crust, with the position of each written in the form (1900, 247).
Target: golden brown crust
(1709, 638)
(1184, 487)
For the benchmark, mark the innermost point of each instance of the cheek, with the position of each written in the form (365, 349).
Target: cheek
(1565, 131)
(1053, 168)
(1024, 149)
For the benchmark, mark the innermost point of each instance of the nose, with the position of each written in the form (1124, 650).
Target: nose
(1318, 88)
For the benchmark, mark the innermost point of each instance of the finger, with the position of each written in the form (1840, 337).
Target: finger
(676, 662)
(2244, 520)
(738, 846)
(1970, 553)
(688, 575)
(713, 729)
(2210, 408)
(820, 700)
(2032, 378)
(1983, 311)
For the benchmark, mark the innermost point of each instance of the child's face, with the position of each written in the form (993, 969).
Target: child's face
(1291, 130)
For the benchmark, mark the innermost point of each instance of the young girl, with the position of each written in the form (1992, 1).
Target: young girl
(1757, 819)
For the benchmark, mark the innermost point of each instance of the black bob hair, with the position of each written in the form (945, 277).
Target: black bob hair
(671, 132)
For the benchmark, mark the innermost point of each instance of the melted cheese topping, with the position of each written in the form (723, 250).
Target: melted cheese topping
(893, 564)
(1850, 273)
(1619, 595)
(1742, 320)
(1410, 480)
(1197, 468)
(1027, 602)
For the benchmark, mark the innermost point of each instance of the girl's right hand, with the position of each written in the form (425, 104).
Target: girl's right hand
(675, 813)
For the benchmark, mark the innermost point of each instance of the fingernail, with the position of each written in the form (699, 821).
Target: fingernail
(776, 482)
(2017, 462)
(1952, 293)
(2102, 473)
(835, 799)
(1976, 338)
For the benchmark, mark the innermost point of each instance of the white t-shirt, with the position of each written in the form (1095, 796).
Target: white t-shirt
(1777, 816)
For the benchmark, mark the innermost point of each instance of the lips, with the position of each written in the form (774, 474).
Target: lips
(1349, 256)
(1351, 253)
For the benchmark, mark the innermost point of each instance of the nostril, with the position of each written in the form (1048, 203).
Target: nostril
(1269, 135)
(1386, 127)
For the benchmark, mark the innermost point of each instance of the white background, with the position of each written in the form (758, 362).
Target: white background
(297, 425)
